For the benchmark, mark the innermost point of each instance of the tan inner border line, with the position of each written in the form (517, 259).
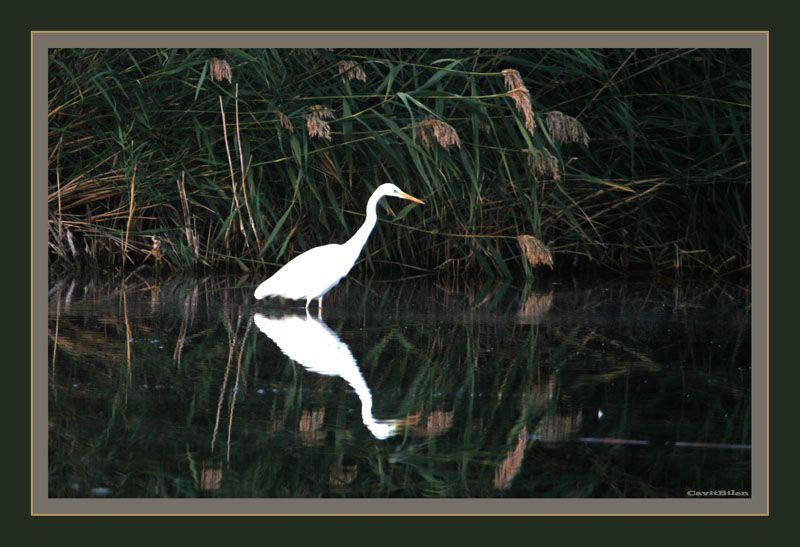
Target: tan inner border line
(577, 33)
(30, 262)
(766, 265)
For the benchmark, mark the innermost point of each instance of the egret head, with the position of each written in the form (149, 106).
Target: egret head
(391, 190)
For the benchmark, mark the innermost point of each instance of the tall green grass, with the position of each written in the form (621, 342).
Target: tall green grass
(143, 172)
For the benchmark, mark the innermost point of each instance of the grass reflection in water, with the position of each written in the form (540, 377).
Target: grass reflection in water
(171, 389)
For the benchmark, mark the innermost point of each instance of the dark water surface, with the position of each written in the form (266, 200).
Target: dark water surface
(189, 388)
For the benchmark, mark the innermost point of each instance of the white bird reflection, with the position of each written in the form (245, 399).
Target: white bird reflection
(312, 344)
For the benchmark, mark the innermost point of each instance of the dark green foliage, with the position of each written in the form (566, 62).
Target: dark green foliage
(663, 184)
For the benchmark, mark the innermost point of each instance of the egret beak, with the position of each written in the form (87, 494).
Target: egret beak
(410, 197)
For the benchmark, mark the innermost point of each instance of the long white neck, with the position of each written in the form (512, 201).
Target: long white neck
(380, 429)
(359, 239)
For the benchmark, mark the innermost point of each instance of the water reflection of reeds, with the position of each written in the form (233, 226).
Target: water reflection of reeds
(211, 478)
(511, 464)
(469, 374)
(310, 427)
(342, 477)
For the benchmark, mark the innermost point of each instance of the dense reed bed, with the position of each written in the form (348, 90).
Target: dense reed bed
(239, 159)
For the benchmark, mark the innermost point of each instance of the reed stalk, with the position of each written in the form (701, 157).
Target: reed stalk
(131, 208)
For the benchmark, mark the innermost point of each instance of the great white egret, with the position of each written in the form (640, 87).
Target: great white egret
(312, 274)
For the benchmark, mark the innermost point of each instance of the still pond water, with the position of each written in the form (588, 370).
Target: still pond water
(189, 388)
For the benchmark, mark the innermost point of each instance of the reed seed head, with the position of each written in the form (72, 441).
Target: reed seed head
(544, 164)
(535, 251)
(315, 121)
(513, 80)
(220, 70)
(430, 128)
(565, 129)
(350, 70)
(521, 96)
(285, 122)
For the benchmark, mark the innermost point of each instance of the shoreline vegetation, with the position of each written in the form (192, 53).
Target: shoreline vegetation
(624, 160)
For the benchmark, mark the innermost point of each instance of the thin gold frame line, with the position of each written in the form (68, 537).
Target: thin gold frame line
(410, 31)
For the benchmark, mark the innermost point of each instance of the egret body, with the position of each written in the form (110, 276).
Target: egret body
(312, 274)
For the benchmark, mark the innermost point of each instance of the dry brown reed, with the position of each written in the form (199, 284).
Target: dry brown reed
(59, 217)
(128, 332)
(430, 128)
(55, 335)
(235, 198)
(191, 239)
(211, 478)
(438, 422)
(220, 70)
(342, 476)
(285, 122)
(131, 207)
(224, 386)
(310, 426)
(315, 121)
(235, 390)
(521, 96)
(155, 250)
(75, 340)
(179, 343)
(278, 423)
(510, 466)
(535, 306)
(541, 392)
(243, 171)
(350, 70)
(544, 164)
(537, 253)
(565, 129)
(557, 428)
